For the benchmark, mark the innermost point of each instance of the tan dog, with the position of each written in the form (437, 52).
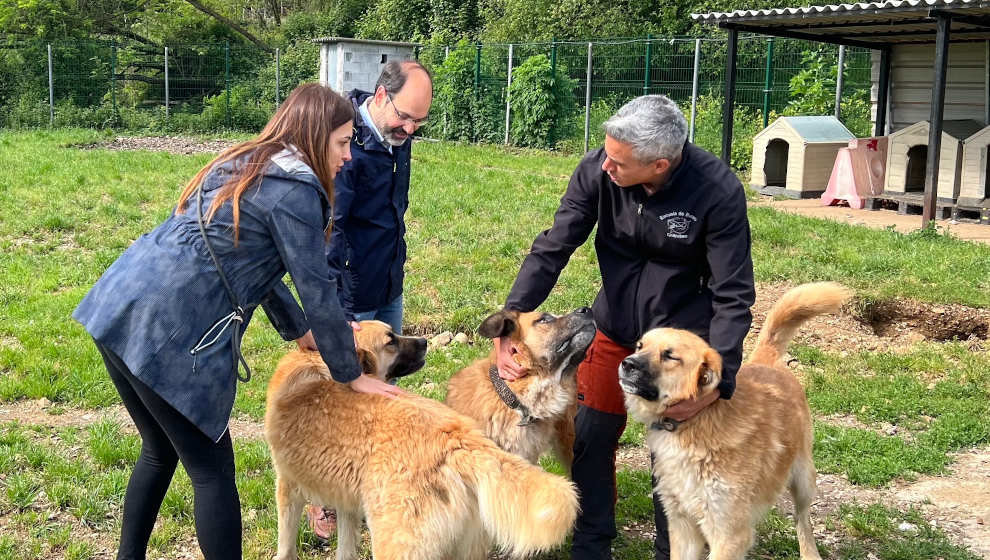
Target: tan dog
(721, 471)
(551, 347)
(428, 482)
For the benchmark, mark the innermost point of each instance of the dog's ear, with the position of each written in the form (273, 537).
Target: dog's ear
(498, 324)
(368, 361)
(710, 370)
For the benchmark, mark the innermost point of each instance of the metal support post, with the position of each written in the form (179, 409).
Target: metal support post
(508, 95)
(694, 87)
(943, 24)
(587, 102)
(51, 89)
(768, 83)
(839, 79)
(728, 107)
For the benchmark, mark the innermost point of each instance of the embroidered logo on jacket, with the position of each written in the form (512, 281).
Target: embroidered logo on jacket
(678, 223)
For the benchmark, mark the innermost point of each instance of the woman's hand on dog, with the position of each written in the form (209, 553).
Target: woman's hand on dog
(508, 368)
(370, 385)
(306, 342)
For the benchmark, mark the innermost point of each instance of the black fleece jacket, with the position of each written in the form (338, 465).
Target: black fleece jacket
(679, 258)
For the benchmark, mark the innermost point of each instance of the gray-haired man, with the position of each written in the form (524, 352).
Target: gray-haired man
(673, 248)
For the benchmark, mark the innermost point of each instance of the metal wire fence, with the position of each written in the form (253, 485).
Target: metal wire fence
(200, 88)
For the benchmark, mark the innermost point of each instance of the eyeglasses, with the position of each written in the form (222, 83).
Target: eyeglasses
(405, 116)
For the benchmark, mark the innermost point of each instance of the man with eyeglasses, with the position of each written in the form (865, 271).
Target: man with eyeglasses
(367, 249)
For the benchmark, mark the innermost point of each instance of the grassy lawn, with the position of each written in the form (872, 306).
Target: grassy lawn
(66, 213)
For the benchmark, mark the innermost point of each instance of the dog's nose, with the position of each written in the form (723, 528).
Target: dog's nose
(582, 310)
(420, 344)
(632, 363)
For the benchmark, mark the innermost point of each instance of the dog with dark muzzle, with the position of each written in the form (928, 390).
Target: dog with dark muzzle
(533, 414)
(719, 472)
(429, 484)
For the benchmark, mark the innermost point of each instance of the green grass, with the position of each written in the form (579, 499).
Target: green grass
(937, 395)
(66, 214)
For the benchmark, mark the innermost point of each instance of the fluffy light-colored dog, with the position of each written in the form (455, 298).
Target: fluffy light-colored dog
(551, 347)
(427, 481)
(719, 472)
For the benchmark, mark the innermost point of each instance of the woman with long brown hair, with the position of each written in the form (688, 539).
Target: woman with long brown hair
(168, 315)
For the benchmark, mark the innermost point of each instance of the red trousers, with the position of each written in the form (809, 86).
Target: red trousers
(598, 375)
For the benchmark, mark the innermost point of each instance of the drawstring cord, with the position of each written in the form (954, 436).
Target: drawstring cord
(234, 319)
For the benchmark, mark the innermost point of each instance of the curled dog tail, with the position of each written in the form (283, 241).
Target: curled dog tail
(795, 307)
(524, 509)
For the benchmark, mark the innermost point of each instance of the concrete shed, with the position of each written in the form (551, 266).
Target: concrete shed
(907, 156)
(794, 156)
(346, 64)
(974, 190)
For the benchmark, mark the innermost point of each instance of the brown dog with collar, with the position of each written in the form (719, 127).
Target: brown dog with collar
(533, 414)
(429, 484)
(719, 472)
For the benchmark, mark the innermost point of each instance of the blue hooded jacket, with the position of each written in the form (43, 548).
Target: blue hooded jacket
(161, 305)
(367, 249)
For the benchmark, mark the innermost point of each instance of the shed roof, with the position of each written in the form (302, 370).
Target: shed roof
(866, 24)
(816, 129)
(960, 129)
(330, 40)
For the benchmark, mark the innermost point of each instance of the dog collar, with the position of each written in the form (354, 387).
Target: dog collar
(509, 398)
(665, 424)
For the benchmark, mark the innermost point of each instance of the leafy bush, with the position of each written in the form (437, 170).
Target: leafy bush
(812, 92)
(746, 123)
(247, 111)
(601, 110)
(542, 101)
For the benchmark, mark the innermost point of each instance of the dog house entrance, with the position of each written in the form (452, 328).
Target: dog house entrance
(917, 163)
(986, 173)
(775, 166)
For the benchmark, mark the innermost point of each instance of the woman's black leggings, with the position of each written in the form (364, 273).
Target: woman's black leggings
(166, 438)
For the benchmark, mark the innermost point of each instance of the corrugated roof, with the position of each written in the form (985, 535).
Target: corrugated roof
(889, 6)
(819, 129)
(867, 24)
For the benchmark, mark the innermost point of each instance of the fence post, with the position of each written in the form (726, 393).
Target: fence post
(416, 52)
(166, 83)
(477, 70)
(113, 77)
(477, 90)
(508, 94)
(446, 53)
(587, 102)
(768, 83)
(278, 77)
(51, 89)
(839, 79)
(226, 77)
(553, 58)
(694, 87)
(649, 55)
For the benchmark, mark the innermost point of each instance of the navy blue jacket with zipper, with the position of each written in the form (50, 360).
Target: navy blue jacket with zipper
(679, 258)
(161, 305)
(367, 248)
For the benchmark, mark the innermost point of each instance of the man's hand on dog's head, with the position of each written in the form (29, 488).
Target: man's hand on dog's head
(508, 368)
(686, 410)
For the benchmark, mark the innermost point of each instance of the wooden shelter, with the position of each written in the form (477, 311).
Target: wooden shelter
(887, 27)
(793, 156)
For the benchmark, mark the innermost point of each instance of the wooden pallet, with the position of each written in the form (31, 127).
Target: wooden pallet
(912, 205)
(971, 214)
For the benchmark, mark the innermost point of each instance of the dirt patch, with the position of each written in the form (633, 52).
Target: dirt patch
(171, 144)
(885, 325)
(42, 412)
(890, 318)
